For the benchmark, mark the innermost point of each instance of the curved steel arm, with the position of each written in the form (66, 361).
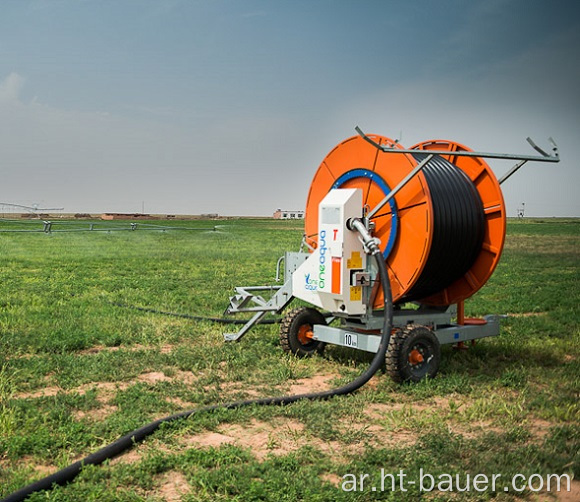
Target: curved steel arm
(544, 157)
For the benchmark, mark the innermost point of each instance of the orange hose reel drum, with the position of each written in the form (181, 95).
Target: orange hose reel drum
(355, 163)
(479, 172)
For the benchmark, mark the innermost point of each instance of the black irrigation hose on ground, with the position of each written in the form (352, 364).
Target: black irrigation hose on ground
(124, 443)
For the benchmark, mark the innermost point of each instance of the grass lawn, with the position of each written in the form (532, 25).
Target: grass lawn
(78, 371)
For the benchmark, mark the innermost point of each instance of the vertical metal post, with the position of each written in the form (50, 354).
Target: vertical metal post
(461, 313)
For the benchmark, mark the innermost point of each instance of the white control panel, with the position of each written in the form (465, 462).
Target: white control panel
(327, 278)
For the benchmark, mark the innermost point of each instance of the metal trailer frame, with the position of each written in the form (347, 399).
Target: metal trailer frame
(439, 322)
(356, 331)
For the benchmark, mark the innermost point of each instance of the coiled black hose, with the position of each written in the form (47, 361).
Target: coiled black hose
(124, 443)
(458, 227)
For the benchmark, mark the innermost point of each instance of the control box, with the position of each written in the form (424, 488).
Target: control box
(330, 278)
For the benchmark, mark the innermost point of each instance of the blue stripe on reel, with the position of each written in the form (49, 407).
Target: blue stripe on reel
(375, 178)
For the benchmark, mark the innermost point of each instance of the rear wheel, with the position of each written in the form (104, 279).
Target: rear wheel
(414, 354)
(297, 329)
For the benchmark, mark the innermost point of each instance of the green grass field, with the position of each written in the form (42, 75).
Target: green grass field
(77, 372)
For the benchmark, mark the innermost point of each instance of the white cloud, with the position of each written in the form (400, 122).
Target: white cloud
(10, 88)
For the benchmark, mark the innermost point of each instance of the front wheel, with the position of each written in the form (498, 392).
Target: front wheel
(414, 354)
(297, 329)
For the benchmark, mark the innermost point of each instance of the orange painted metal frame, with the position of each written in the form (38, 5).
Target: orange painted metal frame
(414, 208)
(411, 249)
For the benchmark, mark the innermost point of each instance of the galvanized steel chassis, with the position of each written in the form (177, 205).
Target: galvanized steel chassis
(261, 300)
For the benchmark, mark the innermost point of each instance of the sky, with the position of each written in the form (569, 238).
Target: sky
(229, 106)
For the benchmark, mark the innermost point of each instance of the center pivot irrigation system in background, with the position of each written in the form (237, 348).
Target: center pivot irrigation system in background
(51, 226)
(432, 218)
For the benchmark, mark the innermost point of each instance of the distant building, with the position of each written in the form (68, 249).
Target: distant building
(279, 214)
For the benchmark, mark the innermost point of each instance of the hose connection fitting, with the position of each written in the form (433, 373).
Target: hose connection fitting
(370, 244)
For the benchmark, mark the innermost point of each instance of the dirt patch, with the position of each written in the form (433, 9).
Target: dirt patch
(569, 496)
(474, 429)
(539, 428)
(49, 391)
(96, 414)
(151, 446)
(108, 390)
(264, 438)
(53, 390)
(173, 486)
(396, 439)
(374, 383)
(378, 411)
(261, 437)
(331, 478)
(129, 457)
(153, 377)
(45, 470)
(210, 440)
(312, 384)
(186, 377)
(179, 402)
(39, 468)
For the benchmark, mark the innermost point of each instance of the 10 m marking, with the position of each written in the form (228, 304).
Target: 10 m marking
(351, 340)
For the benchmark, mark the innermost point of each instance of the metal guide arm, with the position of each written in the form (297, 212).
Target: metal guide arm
(246, 301)
(544, 157)
(402, 183)
(522, 162)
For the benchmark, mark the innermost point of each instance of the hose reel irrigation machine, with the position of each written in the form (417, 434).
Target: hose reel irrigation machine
(435, 215)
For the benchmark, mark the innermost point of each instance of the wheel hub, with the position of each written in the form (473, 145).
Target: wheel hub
(305, 334)
(415, 357)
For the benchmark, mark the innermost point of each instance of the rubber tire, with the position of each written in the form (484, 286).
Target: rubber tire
(289, 331)
(400, 346)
